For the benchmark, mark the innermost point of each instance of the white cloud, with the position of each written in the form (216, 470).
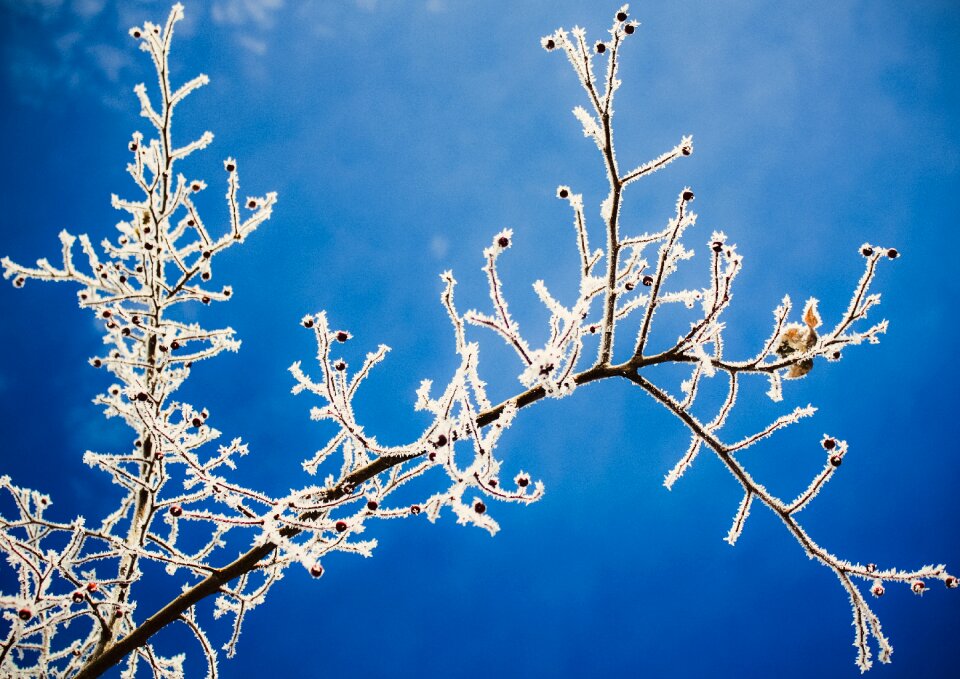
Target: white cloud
(246, 12)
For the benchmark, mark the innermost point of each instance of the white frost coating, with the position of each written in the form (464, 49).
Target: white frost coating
(181, 509)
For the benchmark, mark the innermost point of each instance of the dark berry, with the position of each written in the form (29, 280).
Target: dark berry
(951, 582)
(137, 443)
(492, 483)
(133, 146)
(647, 280)
(479, 507)
(829, 444)
(341, 526)
(918, 586)
(415, 509)
(621, 16)
(190, 222)
(441, 440)
(206, 254)
(148, 246)
(340, 365)
(601, 48)
(226, 292)
(549, 44)
(877, 590)
(123, 279)
(142, 396)
(592, 329)
(432, 457)
(892, 253)
(523, 482)
(106, 313)
(686, 150)
(316, 570)
(629, 29)
(25, 614)
(231, 167)
(342, 336)
(136, 34)
(197, 422)
(308, 323)
(866, 251)
(251, 204)
(78, 597)
(563, 193)
(174, 344)
(97, 363)
(372, 505)
(176, 510)
(195, 187)
(503, 241)
(687, 195)
(836, 460)
(716, 246)
(205, 299)
(629, 286)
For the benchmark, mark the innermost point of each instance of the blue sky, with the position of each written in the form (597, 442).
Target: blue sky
(401, 136)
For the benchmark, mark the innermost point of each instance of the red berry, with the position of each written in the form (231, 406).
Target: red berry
(78, 597)
(316, 570)
(176, 510)
(91, 587)
(341, 526)
(415, 509)
(25, 614)
(877, 590)
(918, 586)
(950, 582)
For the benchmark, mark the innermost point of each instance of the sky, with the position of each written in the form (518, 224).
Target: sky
(400, 136)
